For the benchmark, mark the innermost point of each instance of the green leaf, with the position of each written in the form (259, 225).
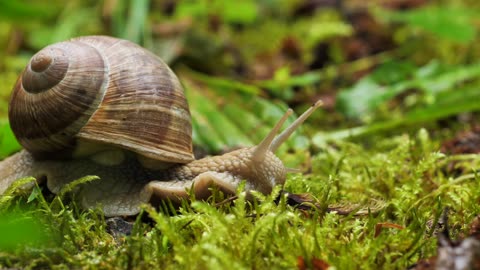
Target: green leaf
(446, 104)
(282, 84)
(191, 9)
(394, 71)
(135, 25)
(36, 192)
(448, 22)
(18, 230)
(359, 100)
(366, 95)
(211, 127)
(448, 79)
(8, 142)
(322, 30)
(247, 120)
(18, 10)
(244, 12)
(71, 24)
(221, 84)
(203, 134)
(118, 18)
(257, 118)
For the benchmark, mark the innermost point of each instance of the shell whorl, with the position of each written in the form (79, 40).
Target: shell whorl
(56, 95)
(104, 91)
(46, 69)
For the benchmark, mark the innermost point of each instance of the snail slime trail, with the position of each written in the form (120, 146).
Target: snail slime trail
(98, 105)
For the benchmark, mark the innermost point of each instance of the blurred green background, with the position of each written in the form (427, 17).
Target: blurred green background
(377, 65)
(383, 68)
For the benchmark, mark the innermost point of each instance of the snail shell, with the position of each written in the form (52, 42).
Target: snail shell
(102, 92)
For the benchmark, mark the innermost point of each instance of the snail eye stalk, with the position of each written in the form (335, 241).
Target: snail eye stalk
(282, 137)
(262, 148)
(271, 143)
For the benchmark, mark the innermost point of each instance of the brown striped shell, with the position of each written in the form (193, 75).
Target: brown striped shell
(100, 91)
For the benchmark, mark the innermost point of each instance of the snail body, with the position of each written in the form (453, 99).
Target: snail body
(120, 113)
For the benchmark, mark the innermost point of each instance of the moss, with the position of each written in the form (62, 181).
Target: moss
(401, 182)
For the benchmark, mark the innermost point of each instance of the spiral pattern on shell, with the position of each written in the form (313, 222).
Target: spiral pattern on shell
(103, 91)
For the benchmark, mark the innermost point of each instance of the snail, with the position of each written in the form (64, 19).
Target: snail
(98, 105)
